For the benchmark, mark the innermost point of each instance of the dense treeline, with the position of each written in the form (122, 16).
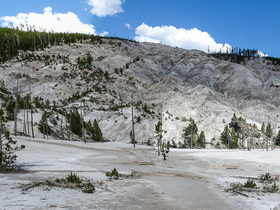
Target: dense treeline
(238, 55)
(13, 40)
(274, 61)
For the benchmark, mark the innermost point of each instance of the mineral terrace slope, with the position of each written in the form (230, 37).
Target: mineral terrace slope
(186, 83)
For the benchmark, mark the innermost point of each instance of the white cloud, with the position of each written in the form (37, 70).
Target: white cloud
(48, 21)
(102, 8)
(261, 54)
(179, 37)
(104, 33)
(127, 25)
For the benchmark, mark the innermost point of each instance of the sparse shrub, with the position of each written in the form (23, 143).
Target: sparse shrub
(236, 186)
(73, 178)
(274, 187)
(218, 145)
(49, 183)
(72, 181)
(266, 178)
(114, 174)
(57, 180)
(253, 187)
(138, 119)
(250, 184)
(146, 109)
(88, 188)
(174, 145)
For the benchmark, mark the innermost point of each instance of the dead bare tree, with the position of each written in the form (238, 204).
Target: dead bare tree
(27, 116)
(16, 107)
(31, 112)
(82, 121)
(24, 121)
(61, 128)
(132, 121)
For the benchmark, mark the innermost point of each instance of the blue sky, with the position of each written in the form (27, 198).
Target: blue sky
(191, 24)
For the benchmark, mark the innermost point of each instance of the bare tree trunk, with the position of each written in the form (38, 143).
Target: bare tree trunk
(24, 125)
(272, 143)
(69, 129)
(44, 123)
(82, 121)
(16, 108)
(61, 127)
(267, 143)
(27, 121)
(31, 112)
(160, 130)
(160, 138)
(132, 120)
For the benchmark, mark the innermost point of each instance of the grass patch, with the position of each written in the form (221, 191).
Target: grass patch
(71, 181)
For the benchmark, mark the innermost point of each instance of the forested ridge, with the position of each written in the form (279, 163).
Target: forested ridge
(13, 40)
(238, 55)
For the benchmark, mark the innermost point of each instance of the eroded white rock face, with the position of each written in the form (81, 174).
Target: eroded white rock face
(186, 83)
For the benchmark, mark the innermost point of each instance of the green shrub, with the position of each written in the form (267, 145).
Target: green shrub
(73, 178)
(274, 187)
(88, 188)
(266, 178)
(250, 184)
(72, 181)
(114, 174)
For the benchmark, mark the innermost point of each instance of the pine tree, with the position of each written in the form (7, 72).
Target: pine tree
(76, 122)
(225, 136)
(43, 125)
(7, 146)
(235, 123)
(201, 141)
(268, 131)
(189, 133)
(98, 133)
(94, 131)
(234, 139)
(278, 139)
(263, 127)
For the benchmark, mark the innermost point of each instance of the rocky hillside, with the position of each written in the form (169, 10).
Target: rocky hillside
(178, 83)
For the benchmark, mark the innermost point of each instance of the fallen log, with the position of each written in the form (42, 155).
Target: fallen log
(240, 193)
(31, 186)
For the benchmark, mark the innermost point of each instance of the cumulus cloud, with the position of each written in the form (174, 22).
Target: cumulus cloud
(179, 37)
(102, 8)
(48, 21)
